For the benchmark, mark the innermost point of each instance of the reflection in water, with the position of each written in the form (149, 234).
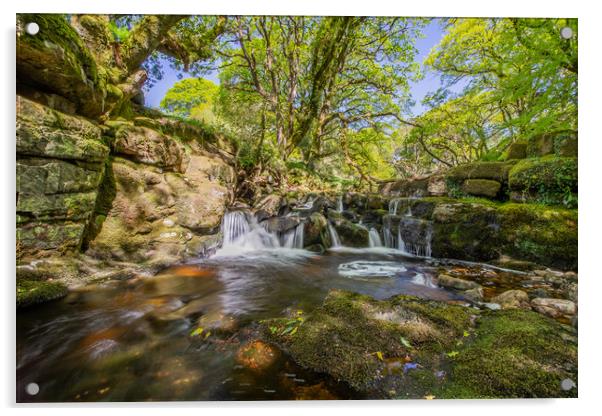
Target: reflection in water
(131, 340)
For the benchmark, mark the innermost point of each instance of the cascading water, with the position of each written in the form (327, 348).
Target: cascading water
(406, 233)
(374, 238)
(393, 205)
(294, 237)
(241, 233)
(334, 237)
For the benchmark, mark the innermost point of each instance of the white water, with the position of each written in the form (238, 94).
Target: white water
(393, 206)
(374, 238)
(334, 237)
(361, 268)
(241, 234)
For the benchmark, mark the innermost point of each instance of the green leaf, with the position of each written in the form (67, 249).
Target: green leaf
(405, 342)
(452, 354)
(379, 355)
(198, 331)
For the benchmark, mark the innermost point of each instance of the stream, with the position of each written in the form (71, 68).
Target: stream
(129, 340)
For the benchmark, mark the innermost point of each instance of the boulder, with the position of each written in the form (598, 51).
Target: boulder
(481, 187)
(315, 227)
(43, 132)
(57, 60)
(280, 224)
(554, 308)
(497, 171)
(155, 216)
(456, 283)
(513, 299)
(151, 147)
(550, 180)
(269, 205)
(257, 356)
(474, 295)
(517, 150)
(350, 234)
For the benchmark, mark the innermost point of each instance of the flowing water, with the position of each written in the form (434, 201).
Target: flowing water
(130, 340)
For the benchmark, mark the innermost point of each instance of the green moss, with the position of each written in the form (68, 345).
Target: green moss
(55, 29)
(538, 233)
(345, 336)
(480, 170)
(549, 180)
(466, 231)
(481, 187)
(516, 353)
(30, 292)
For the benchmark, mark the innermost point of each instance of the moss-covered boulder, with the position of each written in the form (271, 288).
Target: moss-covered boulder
(544, 235)
(517, 150)
(481, 187)
(315, 229)
(351, 234)
(465, 230)
(549, 180)
(357, 339)
(57, 60)
(159, 216)
(497, 171)
(515, 354)
(33, 292)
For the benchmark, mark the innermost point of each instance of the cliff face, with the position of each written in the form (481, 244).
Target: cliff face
(100, 175)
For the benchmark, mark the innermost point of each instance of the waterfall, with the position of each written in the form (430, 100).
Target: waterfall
(241, 232)
(294, 237)
(393, 205)
(234, 225)
(340, 207)
(414, 236)
(374, 237)
(334, 237)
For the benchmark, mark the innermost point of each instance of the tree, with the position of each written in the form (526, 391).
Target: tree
(314, 80)
(191, 97)
(529, 70)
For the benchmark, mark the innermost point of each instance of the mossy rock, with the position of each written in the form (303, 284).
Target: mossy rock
(517, 150)
(516, 354)
(481, 187)
(465, 230)
(315, 228)
(57, 59)
(48, 133)
(549, 180)
(33, 292)
(351, 337)
(497, 171)
(350, 234)
(544, 235)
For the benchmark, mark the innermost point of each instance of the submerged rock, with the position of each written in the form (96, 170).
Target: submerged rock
(257, 356)
(474, 295)
(455, 283)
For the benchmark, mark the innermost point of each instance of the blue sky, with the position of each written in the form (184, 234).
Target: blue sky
(433, 33)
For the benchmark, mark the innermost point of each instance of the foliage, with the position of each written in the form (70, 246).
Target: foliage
(191, 98)
(517, 79)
